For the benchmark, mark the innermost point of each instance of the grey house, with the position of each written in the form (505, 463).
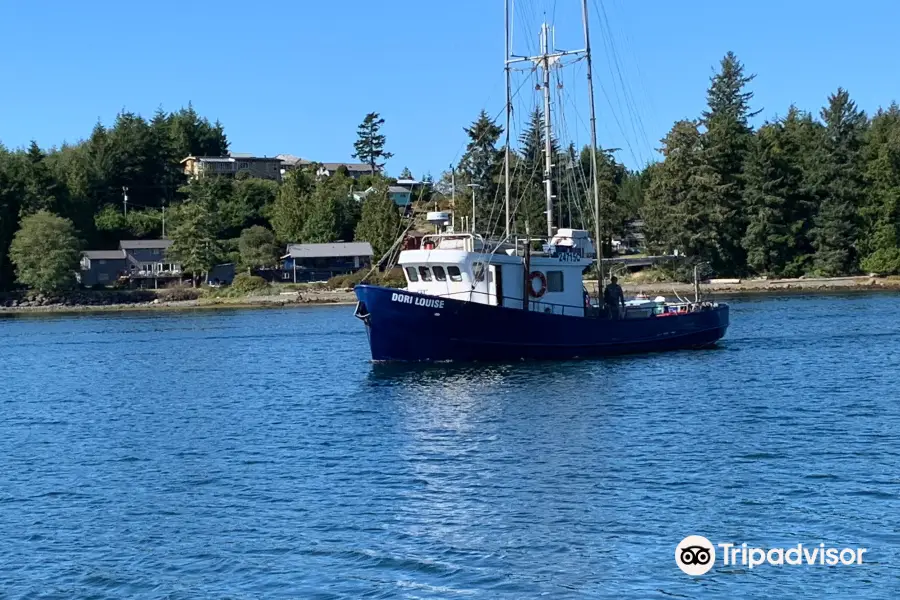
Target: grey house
(102, 267)
(320, 262)
(148, 258)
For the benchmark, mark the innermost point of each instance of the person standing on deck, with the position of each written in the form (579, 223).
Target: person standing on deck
(614, 298)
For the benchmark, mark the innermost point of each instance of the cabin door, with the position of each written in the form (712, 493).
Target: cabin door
(495, 285)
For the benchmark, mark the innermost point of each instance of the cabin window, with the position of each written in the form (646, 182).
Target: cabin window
(425, 272)
(455, 274)
(411, 274)
(478, 271)
(554, 281)
(439, 273)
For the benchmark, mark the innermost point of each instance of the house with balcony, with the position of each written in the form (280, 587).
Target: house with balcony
(139, 262)
(232, 165)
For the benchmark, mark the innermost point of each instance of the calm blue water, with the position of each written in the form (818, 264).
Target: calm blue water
(257, 454)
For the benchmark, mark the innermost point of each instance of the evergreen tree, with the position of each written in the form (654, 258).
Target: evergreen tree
(771, 183)
(840, 186)
(380, 221)
(726, 143)
(195, 243)
(321, 224)
(46, 252)
(289, 212)
(370, 143)
(257, 248)
(481, 166)
(406, 174)
(614, 214)
(531, 198)
(881, 212)
(682, 198)
(11, 193)
(42, 190)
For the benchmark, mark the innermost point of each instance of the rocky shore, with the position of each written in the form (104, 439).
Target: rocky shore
(138, 300)
(769, 286)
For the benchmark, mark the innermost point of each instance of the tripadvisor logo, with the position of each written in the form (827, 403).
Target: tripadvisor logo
(696, 555)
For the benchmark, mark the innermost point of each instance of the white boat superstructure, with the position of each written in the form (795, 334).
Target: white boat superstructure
(466, 267)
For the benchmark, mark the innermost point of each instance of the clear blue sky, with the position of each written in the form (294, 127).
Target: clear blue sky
(298, 77)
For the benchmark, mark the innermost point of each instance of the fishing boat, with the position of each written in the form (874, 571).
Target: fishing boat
(472, 298)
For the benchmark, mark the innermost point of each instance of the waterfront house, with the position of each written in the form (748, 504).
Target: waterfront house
(320, 262)
(401, 196)
(232, 165)
(354, 170)
(101, 267)
(289, 163)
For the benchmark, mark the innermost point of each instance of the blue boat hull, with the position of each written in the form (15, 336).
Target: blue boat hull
(404, 326)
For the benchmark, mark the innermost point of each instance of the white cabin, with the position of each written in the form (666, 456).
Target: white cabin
(465, 267)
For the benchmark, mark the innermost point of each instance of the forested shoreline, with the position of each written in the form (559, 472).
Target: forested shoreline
(803, 194)
(55, 203)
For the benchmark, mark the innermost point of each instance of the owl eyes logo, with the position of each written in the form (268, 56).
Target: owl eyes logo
(695, 555)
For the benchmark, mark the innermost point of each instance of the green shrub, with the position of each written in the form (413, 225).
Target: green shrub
(178, 294)
(246, 284)
(885, 261)
(392, 278)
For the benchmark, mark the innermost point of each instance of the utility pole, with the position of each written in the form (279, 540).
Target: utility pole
(125, 199)
(453, 187)
(473, 186)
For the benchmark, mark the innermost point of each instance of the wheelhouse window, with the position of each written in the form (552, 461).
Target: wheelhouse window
(411, 274)
(455, 273)
(439, 273)
(554, 281)
(425, 273)
(478, 271)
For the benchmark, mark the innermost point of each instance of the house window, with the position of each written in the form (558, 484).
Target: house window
(102, 276)
(425, 273)
(285, 275)
(155, 252)
(101, 262)
(478, 271)
(243, 165)
(411, 274)
(554, 281)
(455, 274)
(439, 273)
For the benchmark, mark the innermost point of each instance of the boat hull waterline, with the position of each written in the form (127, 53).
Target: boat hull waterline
(410, 327)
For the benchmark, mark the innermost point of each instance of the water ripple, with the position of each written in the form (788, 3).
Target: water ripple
(250, 454)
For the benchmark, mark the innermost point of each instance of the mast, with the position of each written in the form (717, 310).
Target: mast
(597, 240)
(508, 121)
(544, 61)
(548, 145)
